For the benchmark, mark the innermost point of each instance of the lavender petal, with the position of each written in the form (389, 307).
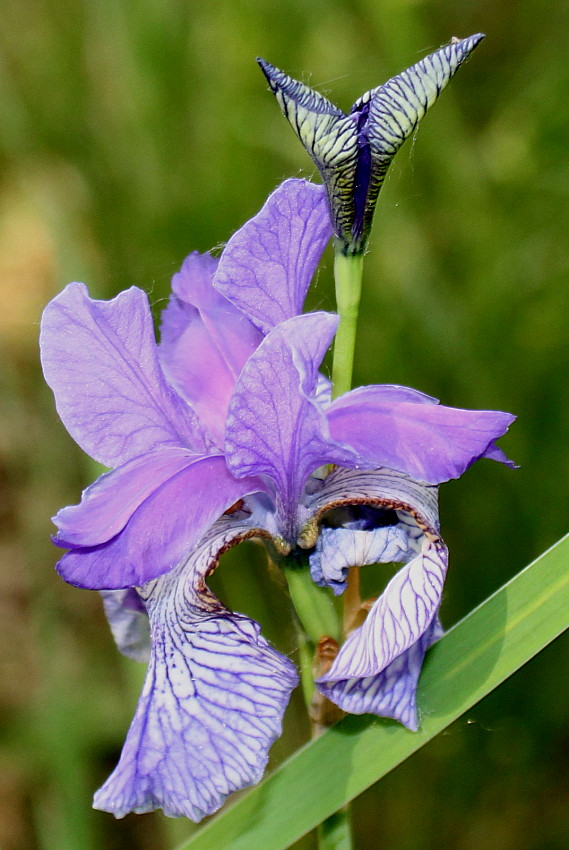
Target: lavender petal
(338, 549)
(267, 266)
(380, 488)
(427, 441)
(398, 619)
(99, 358)
(128, 619)
(391, 693)
(275, 427)
(107, 505)
(167, 524)
(205, 342)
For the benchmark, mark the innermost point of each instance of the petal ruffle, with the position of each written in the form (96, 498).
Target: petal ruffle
(99, 358)
(212, 702)
(267, 266)
(427, 441)
(391, 693)
(274, 426)
(205, 342)
(166, 525)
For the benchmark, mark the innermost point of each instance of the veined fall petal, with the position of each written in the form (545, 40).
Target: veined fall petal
(213, 699)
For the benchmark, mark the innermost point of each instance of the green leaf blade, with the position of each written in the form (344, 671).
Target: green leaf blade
(472, 659)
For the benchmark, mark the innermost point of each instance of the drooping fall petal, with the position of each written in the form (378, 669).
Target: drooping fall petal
(213, 699)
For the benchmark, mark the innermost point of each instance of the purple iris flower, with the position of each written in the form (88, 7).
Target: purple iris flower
(220, 434)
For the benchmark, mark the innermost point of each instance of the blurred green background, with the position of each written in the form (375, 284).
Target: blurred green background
(134, 132)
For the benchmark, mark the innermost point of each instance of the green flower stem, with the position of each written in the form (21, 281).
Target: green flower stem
(317, 615)
(305, 660)
(314, 605)
(348, 279)
(335, 832)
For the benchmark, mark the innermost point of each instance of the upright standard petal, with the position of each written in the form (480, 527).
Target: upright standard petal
(99, 358)
(275, 427)
(167, 522)
(414, 435)
(267, 266)
(205, 342)
(212, 702)
(353, 152)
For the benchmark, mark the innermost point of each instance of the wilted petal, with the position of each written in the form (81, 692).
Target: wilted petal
(398, 619)
(205, 341)
(427, 441)
(267, 266)
(128, 619)
(99, 358)
(212, 702)
(167, 524)
(274, 426)
(391, 693)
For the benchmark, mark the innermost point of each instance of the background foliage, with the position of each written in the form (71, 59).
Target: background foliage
(133, 133)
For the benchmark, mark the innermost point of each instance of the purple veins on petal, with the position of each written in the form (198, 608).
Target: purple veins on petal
(391, 693)
(398, 619)
(338, 549)
(99, 358)
(212, 702)
(205, 342)
(267, 266)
